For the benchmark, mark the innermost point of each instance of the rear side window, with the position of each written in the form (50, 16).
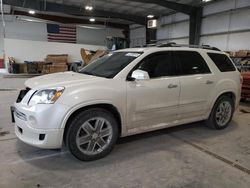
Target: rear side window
(223, 63)
(191, 63)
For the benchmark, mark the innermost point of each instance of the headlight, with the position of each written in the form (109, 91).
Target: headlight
(46, 96)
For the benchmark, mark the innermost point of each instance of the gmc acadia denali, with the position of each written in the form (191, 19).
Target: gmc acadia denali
(127, 92)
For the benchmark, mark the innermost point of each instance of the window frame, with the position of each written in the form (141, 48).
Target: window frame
(149, 56)
(232, 63)
(179, 64)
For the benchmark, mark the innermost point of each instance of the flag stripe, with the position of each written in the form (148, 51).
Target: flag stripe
(61, 35)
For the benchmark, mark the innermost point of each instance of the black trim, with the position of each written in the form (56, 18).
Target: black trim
(12, 110)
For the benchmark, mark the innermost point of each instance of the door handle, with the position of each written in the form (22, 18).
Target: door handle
(209, 82)
(171, 86)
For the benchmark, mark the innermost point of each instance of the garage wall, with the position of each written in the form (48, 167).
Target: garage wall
(173, 28)
(225, 24)
(23, 33)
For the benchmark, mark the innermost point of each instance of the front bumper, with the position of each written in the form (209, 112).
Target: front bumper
(42, 138)
(39, 126)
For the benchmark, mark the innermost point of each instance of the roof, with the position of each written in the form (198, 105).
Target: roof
(172, 48)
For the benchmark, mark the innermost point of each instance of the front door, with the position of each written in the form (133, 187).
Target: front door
(153, 103)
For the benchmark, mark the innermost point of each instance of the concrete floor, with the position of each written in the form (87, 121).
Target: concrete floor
(185, 156)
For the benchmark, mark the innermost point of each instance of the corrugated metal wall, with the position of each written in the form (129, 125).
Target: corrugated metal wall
(137, 35)
(225, 24)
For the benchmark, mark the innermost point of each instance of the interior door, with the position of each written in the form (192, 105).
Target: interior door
(196, 82)
(153, 103)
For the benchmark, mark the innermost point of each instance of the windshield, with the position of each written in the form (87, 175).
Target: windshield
(110, 65)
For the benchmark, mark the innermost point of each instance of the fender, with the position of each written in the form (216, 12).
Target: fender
(89, 103)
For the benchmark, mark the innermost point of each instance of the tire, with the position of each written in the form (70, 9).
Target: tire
(220, 113)
(92, 134)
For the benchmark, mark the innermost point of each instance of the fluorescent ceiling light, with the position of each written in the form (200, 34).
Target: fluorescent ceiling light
(206, 0)
(92, 19)
(150, 16)
(87, 7)
(90, 27)
(32, 12)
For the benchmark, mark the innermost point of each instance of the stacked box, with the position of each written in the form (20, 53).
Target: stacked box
(23, 68)
(47, 69)
(55, 63)
(243, 53)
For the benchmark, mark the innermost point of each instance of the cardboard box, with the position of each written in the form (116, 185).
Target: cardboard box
(57, 59)
(243, 53)
(47, 69)
(58, 68)
(23, 68)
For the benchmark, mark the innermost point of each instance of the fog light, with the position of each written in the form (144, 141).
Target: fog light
(41, 136)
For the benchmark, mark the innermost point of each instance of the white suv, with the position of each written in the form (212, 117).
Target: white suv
(127, 92)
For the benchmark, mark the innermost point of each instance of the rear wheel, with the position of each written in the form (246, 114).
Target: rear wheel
(222, 113)
(92, 134)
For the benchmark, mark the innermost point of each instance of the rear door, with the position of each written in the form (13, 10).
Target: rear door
(196, 82)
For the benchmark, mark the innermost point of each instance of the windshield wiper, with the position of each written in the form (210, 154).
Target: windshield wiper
(88, 73)
(92, 74)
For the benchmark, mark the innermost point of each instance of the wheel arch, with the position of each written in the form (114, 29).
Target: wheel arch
(109, 107)
(229, 93)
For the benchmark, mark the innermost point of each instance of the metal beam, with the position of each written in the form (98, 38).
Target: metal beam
(150, 36)
(195, 26)
(73, 10)
(186, 9)
(69, 20)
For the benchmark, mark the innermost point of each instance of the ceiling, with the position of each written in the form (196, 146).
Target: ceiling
(125, 6)
(123, 12)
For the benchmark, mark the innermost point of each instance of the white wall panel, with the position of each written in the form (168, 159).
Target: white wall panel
(233, 42)
(215, 24)
(96, 36)
(173, 18)
(229, 21)
(173, 31)
(240, 20)
(219, 7)
(27, 50)
(242, 3)
(224, 6)
(239, 41)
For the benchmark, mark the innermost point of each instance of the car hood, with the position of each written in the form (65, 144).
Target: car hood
(60, 79)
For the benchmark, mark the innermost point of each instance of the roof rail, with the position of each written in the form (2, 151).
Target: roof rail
(173, 44)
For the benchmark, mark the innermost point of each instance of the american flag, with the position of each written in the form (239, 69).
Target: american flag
(60, 33)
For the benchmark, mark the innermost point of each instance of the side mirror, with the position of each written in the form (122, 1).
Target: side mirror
(140, 75)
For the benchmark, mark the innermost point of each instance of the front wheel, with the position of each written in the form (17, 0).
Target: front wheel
(222, 113)
(92, 134)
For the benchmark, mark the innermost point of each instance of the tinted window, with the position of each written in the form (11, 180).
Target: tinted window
(223, 63)
(191, 63)
(110, 65)
(158, 65)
